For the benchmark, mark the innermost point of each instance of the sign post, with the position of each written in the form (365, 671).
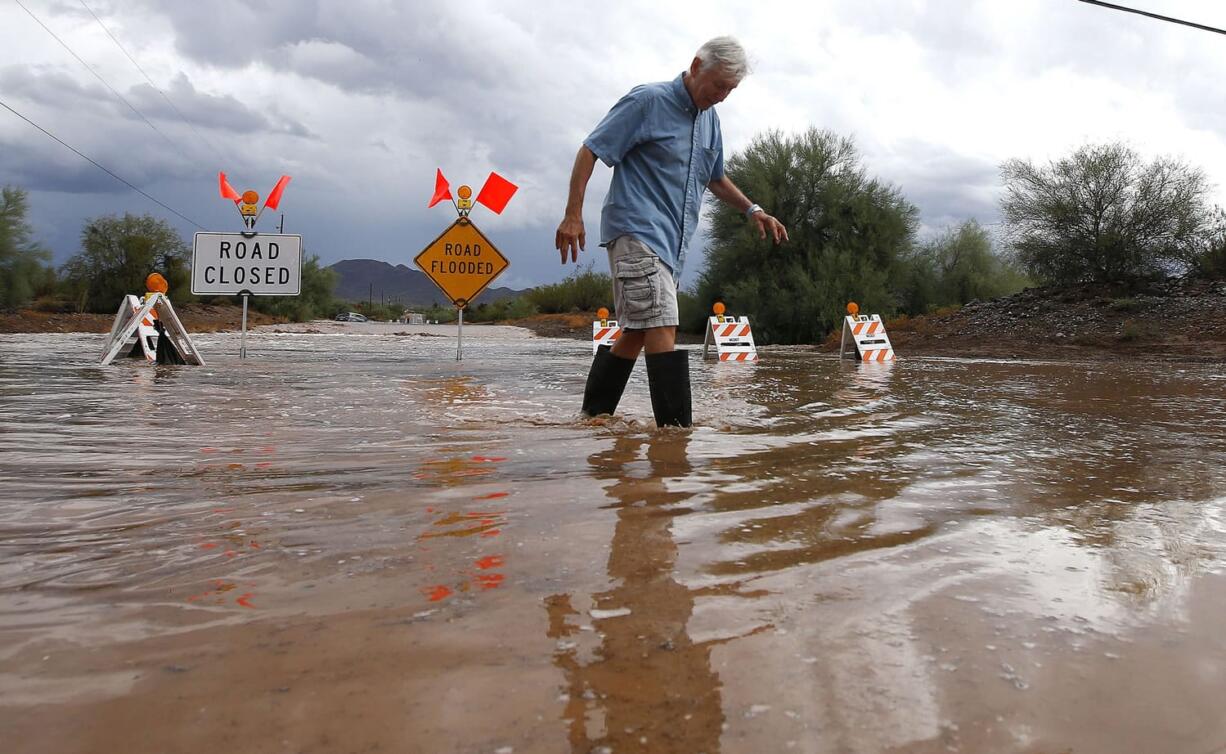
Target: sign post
(461, 261)
(242, 343)
(246, 263)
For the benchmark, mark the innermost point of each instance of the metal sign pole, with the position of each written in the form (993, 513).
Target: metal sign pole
(459, 351)
(242, 348)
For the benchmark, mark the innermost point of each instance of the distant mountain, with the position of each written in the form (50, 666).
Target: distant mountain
(360, 279)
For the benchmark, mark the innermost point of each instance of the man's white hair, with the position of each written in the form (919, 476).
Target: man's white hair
(725, 53)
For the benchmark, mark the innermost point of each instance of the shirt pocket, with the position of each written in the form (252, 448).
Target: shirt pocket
(640, 284)
(706, 164)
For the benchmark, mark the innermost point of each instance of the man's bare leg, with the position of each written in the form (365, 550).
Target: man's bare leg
(655, 339)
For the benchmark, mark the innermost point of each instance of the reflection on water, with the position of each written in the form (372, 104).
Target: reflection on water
(647, 680)
(924, 555)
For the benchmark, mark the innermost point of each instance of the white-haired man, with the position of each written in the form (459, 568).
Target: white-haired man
(664, 144)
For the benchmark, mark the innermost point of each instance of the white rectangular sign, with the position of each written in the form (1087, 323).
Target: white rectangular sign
(264, 264)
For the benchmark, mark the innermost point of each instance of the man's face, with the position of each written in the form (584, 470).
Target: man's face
(710, 86)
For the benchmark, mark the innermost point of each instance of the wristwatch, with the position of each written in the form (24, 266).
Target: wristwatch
(752, 209)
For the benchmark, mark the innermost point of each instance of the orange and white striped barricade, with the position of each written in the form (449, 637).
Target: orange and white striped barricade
(733, 339)
(605, 332)
(868, 333)
(143, 340)
(134, 320)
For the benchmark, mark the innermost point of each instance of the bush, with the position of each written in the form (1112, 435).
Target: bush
(1103, 215)
(1125, 305)
(24, 273)
(508, 308)
(955, 268)
(314, 300)
(117, 253)
(440, 313)
(848, 234)
(584, 290)
(691, 313)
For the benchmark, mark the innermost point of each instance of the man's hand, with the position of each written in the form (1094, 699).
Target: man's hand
(766, 224)
(570, 237)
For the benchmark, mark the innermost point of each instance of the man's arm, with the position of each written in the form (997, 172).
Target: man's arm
(727, 192)
(570, 236)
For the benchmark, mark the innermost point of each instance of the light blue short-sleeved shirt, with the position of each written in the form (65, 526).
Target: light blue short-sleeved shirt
(663, 151)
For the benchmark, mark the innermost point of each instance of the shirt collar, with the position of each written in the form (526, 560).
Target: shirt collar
(682, 95)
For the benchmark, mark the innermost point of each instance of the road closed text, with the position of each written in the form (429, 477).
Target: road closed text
(217, 275)
(262, 265)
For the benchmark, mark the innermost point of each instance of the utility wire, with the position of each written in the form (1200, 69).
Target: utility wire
(127, 54)
(103, 168)
(98, 76)
(1193, 24)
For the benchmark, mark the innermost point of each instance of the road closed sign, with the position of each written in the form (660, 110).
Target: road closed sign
(462, 262)
(225, 264)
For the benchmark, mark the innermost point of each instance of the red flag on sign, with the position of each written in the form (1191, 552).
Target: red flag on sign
(496, 192)
(227, 191)
(442, 189)
(274, 196)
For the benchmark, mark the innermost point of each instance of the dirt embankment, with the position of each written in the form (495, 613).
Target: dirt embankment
(1180, 319)
(196, 318)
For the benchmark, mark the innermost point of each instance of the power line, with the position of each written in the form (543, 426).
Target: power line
(97, 75)
(127, 54)
(103, 168)
(1139, 12)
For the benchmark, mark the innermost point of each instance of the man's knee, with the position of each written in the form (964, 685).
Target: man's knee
(660, 339)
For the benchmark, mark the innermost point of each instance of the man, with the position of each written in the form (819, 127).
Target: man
(664, 144)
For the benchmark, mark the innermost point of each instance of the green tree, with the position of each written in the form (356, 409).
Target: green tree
(848, 232)
(1103, 214)
(117, 253)
(24, 273)
(954, 268)
(1211, 260)
(313, 301)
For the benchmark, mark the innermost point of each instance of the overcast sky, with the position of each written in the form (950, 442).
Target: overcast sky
(360, 101)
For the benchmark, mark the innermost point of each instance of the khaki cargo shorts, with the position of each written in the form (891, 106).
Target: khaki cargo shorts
(644, 291)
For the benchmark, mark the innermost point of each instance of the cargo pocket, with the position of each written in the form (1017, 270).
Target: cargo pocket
(640, 286)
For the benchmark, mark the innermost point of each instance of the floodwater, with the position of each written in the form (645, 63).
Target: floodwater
(352, 543)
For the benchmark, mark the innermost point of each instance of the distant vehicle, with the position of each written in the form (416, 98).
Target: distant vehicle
(350, 317)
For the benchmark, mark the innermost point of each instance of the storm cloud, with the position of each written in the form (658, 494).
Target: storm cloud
(361, 101)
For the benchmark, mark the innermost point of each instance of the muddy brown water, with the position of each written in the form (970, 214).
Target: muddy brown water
(351, 543)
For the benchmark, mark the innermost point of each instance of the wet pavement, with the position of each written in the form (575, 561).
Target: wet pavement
(350, 542)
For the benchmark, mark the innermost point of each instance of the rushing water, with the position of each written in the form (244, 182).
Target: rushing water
(351, 542)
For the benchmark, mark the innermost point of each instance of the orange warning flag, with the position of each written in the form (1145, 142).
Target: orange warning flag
(442, 189)
(496, 192)
(274, 196)
(227, 191)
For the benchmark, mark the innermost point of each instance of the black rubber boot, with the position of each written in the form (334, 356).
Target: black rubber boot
(606, 381)
(668, 375)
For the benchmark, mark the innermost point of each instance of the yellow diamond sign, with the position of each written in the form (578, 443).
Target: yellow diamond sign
(461, 262)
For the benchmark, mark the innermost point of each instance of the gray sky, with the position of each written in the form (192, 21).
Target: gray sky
(360, 101)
